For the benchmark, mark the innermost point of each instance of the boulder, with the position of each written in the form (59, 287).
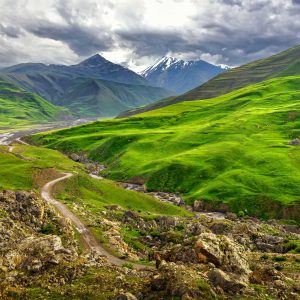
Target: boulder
(227, 283)
(167, 222)
(75, 157)
(295, 142)
(129, 214)
(224, 253)
(125, 296)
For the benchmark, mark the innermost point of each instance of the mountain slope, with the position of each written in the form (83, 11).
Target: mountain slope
(179, 75)
(232, 150)
(19, 107)
(283, 64)
(81, 88)
(94, 67)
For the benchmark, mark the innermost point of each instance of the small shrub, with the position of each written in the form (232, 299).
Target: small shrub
(48, 229)
(264, 257)
(279, 258)
(203, 285)
(179, 227)
(241, 214)
(128, 266)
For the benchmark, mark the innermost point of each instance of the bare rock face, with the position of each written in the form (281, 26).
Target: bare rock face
(225, 254)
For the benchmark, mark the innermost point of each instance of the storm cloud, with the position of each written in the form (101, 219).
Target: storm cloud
(137, 32)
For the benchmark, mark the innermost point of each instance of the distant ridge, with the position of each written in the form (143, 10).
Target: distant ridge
(285, 63)
(179, 75)
(94, 87)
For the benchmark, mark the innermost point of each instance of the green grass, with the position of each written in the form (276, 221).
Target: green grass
(232, 149)
(17, 171)
(19, 108)
(96, 194)
(21, 169)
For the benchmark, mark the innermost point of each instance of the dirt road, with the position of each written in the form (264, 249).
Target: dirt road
(88, 238)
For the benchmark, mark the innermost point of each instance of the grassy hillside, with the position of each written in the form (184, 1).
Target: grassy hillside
(19, 107)
(286, 63)
(31, 167)
(232, 149)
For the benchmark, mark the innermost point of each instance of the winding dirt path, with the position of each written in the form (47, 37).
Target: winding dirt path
(88, 238)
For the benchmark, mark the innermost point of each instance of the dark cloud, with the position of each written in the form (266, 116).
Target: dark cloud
(227, 31)
(82, 40)
(10, 31)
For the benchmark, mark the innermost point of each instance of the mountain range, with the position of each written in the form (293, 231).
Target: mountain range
(282, 64)
(95, 87)
(178, 75)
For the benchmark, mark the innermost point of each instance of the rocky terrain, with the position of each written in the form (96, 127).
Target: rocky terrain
(205, 255)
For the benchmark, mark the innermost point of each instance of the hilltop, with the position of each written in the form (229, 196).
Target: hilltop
(19, 107)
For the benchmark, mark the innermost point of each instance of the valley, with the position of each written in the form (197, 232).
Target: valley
(193, 197)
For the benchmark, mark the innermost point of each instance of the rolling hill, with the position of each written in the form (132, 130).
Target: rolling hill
(19, 107)
(179, 75)
(93, 88)
(283, 64)
(231, 151)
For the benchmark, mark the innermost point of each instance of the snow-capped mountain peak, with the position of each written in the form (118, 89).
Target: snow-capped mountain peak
(162, 64)
(178, 75)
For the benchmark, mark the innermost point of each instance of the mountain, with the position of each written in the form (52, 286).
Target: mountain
(179, 75)
(237, 151)
(96, 67)
(19, 107)
(283, 64)
(94, 87)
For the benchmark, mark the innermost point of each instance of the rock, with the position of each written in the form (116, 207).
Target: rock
(220, 227)
(126, 296)
(295, 142)
(269, 243)
(228, 284)
(75, 157)
(223, 253)
(113, 207)
(129, 214)
(231, 216)
(198, 206)
(167, 222)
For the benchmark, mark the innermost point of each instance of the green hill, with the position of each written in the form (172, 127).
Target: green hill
(19, 107)
(233, 149)
(286, 63)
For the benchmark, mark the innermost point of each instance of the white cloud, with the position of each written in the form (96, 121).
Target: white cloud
(137, 32)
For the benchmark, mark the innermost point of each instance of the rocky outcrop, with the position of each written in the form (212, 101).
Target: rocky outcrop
(222, 252)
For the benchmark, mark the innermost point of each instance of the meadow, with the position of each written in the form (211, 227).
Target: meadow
(233, 149)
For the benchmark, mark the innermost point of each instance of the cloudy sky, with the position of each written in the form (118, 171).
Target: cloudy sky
(138, 32)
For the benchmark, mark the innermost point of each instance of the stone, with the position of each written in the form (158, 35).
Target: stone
(228, 284)
(126, 296)
(295, 142)
(75, 157)
(167, 222)
(198, 206)
(223, 252)
(129, 214)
